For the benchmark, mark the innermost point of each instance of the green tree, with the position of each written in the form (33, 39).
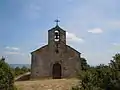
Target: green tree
(25, 69)
(84, 65)
(101, 77)
(6, 76)
(18, 71)
(115, 71)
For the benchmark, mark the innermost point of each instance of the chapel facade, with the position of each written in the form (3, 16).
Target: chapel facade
(56, 59)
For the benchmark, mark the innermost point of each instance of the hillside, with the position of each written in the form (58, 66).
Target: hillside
(51, 84)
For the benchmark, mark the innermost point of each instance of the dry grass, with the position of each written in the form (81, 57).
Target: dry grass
(51, 84)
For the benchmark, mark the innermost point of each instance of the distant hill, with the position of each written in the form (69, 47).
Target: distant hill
(20, 65)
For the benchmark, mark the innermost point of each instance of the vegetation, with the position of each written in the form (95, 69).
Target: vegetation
(84, 65)
(101, 77)
(6, 76)
(18, 71)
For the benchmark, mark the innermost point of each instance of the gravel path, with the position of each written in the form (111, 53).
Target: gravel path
(51, 84)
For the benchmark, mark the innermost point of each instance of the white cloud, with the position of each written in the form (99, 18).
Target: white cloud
(116, 44)
(72, 37)
(95, 30)
(12, 48)
(13, 53)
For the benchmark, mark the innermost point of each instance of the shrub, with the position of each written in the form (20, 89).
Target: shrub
(6, 76)
(101, 77)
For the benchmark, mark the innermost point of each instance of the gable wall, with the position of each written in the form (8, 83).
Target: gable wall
(43, 60)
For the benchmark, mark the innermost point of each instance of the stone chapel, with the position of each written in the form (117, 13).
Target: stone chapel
(56, 59)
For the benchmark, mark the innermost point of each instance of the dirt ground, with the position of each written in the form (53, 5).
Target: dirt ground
(51, 84)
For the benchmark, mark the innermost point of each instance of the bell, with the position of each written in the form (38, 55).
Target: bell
(56, 36)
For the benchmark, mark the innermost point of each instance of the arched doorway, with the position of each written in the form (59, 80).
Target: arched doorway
(56, 71)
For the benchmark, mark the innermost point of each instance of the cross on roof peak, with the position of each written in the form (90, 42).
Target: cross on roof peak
(57, 21)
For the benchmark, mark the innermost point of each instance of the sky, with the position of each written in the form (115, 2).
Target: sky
(92, 27)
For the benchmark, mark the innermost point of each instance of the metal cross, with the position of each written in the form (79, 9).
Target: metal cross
(57, 21)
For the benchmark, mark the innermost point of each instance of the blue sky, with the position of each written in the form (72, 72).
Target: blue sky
(93, 27)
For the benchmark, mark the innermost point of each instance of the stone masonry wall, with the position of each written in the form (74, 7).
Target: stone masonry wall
(43, 60)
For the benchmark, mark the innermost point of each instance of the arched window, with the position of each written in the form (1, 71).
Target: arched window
(57, 36)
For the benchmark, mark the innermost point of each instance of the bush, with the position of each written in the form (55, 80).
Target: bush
(6, 76)
(101, 77)
(19, 71)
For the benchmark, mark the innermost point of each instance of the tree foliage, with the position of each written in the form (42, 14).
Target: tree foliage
(6, 76)
(84, 65)
(18, 71)
(101, 77)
